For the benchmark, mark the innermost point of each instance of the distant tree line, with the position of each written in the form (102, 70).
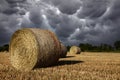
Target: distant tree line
(4, 48)
(86, 47)
(99, 48)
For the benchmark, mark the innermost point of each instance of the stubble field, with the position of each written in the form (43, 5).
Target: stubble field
(85, 66)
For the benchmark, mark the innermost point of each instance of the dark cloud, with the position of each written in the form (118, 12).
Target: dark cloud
(92, 8)
(66, 26)
(4, 37)
(3, 5)
(15, 1)
(10, 7)
(53, 18)
(74, 21)
(114, 12)
(36, 17)
(66, 6)
(10, 11)
(8, 24)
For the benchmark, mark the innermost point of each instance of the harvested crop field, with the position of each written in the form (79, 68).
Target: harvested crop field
(84, 66)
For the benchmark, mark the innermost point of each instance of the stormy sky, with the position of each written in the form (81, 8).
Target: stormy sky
(73, 21)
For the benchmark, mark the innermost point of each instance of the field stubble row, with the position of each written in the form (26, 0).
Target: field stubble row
(84, 66)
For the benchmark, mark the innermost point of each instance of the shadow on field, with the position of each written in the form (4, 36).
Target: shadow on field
(62, 63)
(69, 56)
(68, 62)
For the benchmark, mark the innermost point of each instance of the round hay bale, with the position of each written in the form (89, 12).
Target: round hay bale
(63, 51)
(30, 48)
(75, 50)
(4, 58)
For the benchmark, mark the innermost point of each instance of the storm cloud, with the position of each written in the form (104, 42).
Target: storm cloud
(73, 21)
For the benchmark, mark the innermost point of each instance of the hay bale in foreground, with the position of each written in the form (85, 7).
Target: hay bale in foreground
(32, 47)
(4, 58)
(75, 50)
(63, 51)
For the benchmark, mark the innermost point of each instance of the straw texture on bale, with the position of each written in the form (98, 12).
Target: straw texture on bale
(31, 47)
(63, 51)
(4, 58)
(75, 50)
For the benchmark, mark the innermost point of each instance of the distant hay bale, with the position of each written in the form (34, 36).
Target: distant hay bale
(63, 51)
(30, 48)
(75, 50)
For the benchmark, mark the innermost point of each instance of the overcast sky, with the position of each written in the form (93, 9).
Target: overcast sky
(73, 21)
